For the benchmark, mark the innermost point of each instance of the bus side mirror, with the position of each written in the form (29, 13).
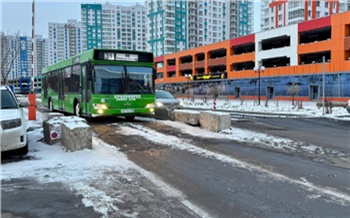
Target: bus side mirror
(89, 71)
(89, 75)
(154, 74)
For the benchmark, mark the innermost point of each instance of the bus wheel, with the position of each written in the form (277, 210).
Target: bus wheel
(50, 105)
(77, 109)
(130, 118)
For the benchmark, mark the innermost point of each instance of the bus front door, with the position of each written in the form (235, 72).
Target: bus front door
(85, 91)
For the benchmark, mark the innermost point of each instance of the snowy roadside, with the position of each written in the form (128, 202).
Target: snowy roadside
(308, 108)
(102, 176)
(82, 170)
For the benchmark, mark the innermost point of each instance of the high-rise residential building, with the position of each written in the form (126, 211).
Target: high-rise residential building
(168, 27)
(113, 26)
(91, 26)
(241, 20)
(22, 64)
(175, 25)
(41, 54)
(64, 40)
(278, 13)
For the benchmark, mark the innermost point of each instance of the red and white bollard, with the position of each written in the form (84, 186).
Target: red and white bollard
(214, 104)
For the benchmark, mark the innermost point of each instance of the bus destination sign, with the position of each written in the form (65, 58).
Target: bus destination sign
(112, 56)
(132, 56)
(126, 57)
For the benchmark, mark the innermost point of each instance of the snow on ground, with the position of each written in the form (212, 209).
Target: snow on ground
(180, 144)
(51, 163)
(308, 108)
(81, 170)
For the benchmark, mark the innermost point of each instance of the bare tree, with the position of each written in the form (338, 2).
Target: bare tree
(10, 49)
(293, 89)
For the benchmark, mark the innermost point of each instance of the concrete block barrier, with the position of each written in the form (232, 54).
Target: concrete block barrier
(214, 121)
(48, 116)
(52, 130)
(76, 136)
(70, 119)
(186, 116)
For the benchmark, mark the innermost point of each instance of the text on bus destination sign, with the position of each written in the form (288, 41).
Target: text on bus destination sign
(127, 97)
(120, 56)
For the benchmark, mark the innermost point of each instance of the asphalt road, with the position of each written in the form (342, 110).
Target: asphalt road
(220, 177)
(227, 178)
(325, 132)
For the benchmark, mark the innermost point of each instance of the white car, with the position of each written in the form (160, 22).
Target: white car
(13, 130)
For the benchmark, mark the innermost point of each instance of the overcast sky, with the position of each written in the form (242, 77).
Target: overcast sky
(16, 15)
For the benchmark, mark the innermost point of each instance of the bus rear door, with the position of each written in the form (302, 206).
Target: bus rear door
(61, 90)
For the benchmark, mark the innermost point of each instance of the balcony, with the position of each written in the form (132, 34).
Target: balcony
(186, 66)
(347, 43)
(217, 61)
(171, 68)
(199, 64)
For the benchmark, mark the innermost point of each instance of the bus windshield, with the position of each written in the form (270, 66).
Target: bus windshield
(139, 80)
(111, 80)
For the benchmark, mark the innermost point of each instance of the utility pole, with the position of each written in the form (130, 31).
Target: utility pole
(188, 85)
(33, 36)
(257, 70)
(323, 84)
(31, 95)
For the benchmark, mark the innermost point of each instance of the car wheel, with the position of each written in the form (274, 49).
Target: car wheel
(130, 118)
(22, 151)
(50, 105)
(77, 109)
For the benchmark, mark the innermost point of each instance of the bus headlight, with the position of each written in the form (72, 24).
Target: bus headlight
(150, 107)
(100, 106)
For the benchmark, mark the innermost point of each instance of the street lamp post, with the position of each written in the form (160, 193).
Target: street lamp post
(188, 85)
(258, 70)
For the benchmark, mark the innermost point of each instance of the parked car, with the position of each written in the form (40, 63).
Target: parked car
(348, 106)
(13, 130)
(165, 104)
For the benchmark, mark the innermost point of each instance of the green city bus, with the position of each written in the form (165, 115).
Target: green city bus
(101, 82)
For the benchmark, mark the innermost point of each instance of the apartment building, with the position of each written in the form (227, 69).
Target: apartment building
(41, 54)
(241, 18)
(22, 64)
(280, 13)
(113, 26)
(64, 40)
(179, 25)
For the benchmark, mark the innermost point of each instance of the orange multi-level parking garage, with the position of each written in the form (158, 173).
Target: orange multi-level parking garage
(295, 55)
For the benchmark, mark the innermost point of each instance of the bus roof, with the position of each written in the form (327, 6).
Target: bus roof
(91, 55)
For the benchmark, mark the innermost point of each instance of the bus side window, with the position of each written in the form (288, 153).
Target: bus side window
(76, 86)
(76, 78)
